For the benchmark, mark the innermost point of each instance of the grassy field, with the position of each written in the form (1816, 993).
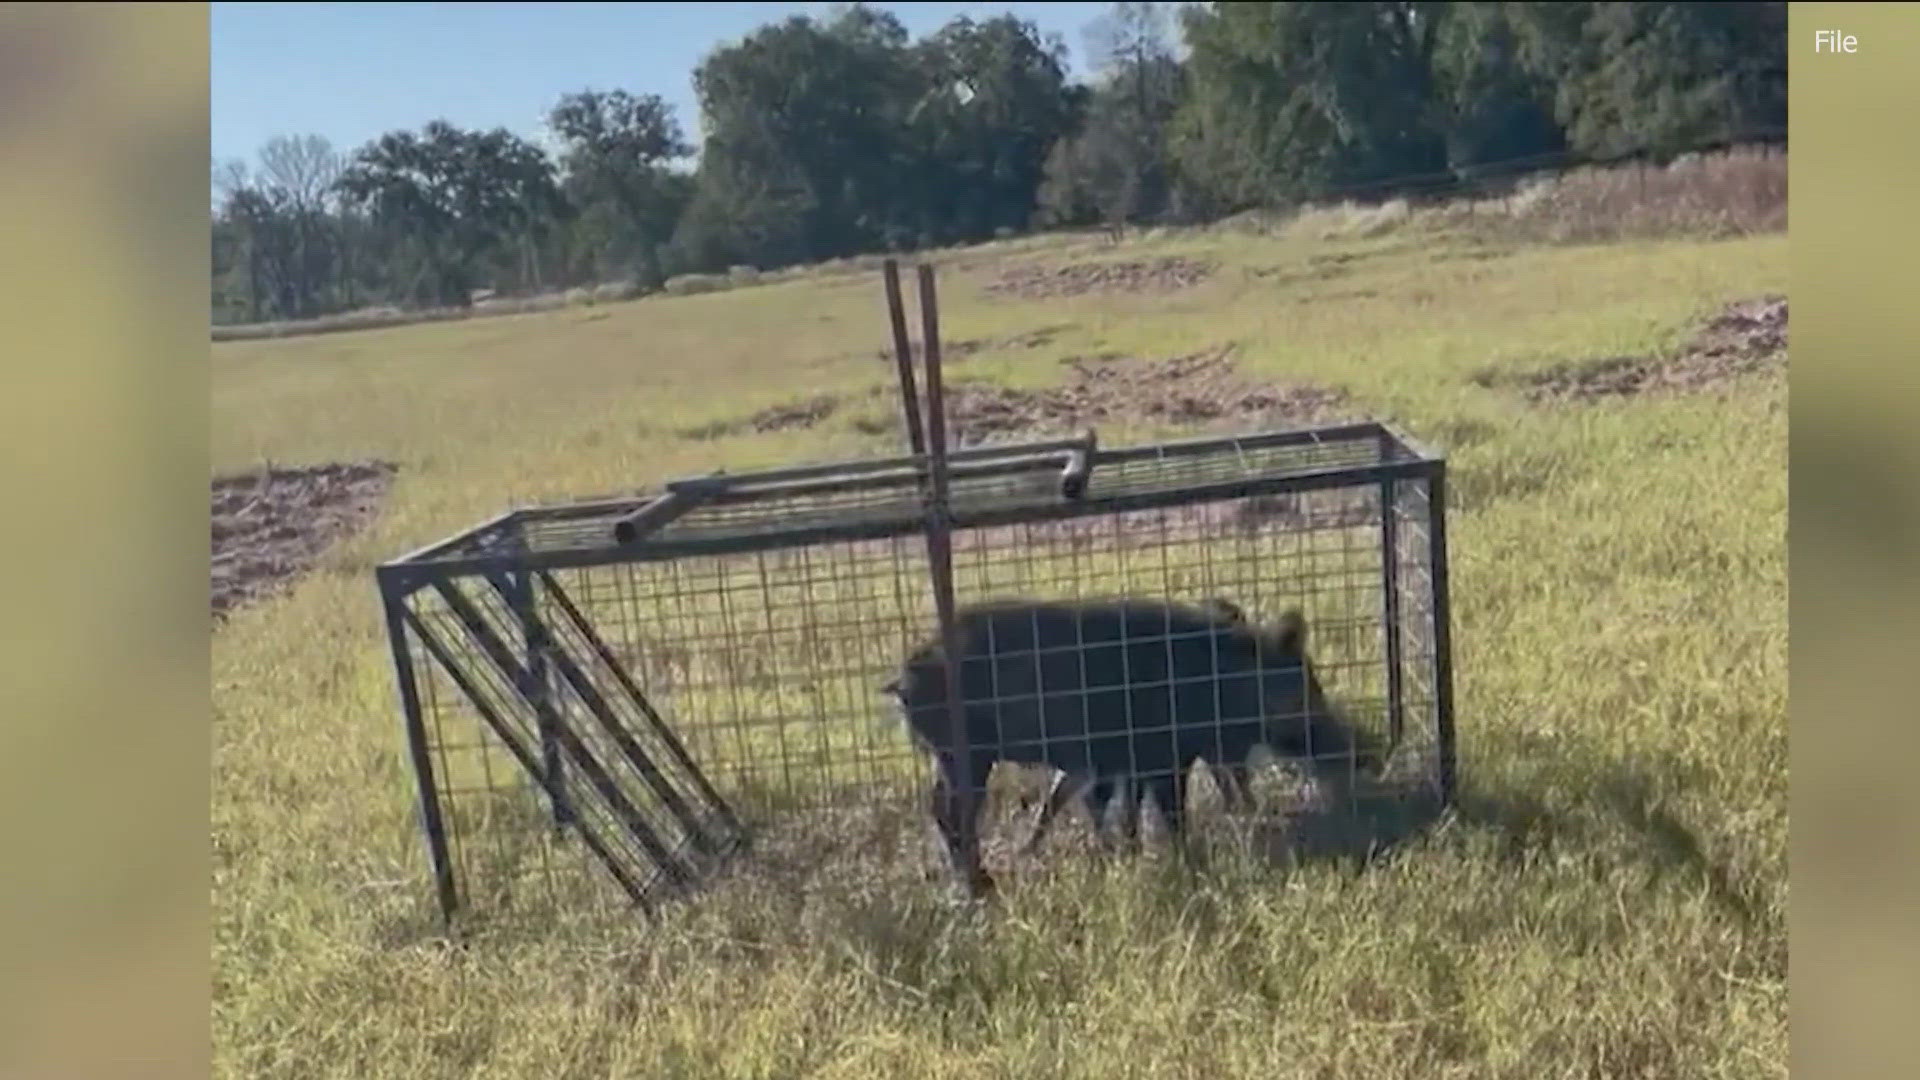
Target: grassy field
(1610, 899)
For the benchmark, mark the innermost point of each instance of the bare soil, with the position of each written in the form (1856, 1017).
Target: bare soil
(814, 409)
(800, 413)
(1317, 268)
(272, 525)
(1199, 389)
(1203, 390)
(1044, 282)
(1745, 338)
(955, 351)
(1239, 520)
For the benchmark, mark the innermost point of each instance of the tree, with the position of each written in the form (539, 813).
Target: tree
(277, 238)
(1291, 99)
(836, 135)
(228, 177)
(453, 197)
(745, 212)
(1658, 77)
(303, 169)
(242, 235)
(615, 163)
(1117, 167)
(808, 118)
(1127, 45)
(1493, 106)
(296, 177)
(994, 102)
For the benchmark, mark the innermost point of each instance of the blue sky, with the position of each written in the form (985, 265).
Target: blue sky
(352, 71)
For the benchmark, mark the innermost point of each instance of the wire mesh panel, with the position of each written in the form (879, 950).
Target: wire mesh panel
(732, 670)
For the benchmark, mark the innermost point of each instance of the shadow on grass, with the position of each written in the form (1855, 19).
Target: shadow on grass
(851, 864)
(1674, 847)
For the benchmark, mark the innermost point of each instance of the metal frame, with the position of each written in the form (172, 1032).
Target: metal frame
(483, 549)
(639, 529)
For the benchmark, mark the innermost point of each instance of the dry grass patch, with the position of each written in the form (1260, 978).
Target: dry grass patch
(1740, 192)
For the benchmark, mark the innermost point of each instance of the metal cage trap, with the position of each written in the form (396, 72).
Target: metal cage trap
(630, 693)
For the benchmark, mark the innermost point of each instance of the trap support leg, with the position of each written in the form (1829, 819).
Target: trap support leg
(419, 751)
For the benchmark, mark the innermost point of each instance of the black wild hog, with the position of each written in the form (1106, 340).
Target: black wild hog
(1108, 692)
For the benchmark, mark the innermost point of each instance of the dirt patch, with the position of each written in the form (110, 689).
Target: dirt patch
(956, 351)
(1199, 388)
(1243, 521)
(1296, 274)
(1079, 279)
(271, 526)
(814, 409)
(1471, 255)
(1745, 338)
(1203, 390)
(801, 413)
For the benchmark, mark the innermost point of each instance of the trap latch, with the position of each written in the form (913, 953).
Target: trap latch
(1079, 467)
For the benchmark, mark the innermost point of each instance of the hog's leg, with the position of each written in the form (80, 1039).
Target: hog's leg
(1094, 793)
(1169, 794)
(1128, 825)
(1236, 792)
(1066, 786)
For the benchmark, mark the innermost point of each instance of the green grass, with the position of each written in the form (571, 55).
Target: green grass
(1609, 901)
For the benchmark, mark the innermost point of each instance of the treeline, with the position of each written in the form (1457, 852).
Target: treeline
(830, 137)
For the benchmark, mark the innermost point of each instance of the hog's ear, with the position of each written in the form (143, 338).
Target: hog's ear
(1291, 632)
(1226, 610)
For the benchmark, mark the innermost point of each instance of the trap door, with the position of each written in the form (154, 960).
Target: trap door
(569, 713)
